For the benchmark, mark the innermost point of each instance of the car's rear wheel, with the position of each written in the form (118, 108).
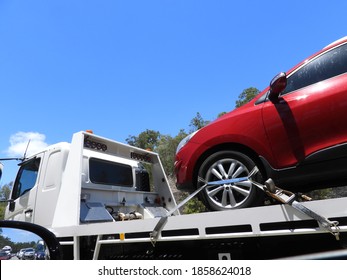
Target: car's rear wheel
(229, 165)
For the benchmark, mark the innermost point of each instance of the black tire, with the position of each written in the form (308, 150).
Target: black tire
(226, 165)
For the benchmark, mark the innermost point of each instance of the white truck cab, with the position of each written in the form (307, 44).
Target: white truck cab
(90, 180)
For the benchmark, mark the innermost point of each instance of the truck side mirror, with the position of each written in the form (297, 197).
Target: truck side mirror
(48, 238)
(277, 85)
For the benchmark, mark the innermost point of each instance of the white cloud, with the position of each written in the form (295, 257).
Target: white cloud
(19, 143)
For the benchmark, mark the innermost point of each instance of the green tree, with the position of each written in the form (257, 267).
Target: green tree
(221, 114)
(197, 122)
(167, 149)
(247, 95)
(194, 206)
(147, 139)
(4, 194)
(5, 191)
(2, 210)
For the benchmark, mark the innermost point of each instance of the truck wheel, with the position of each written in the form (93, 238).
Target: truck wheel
(227, 165)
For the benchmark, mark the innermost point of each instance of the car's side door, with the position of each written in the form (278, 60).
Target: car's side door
(310, 115)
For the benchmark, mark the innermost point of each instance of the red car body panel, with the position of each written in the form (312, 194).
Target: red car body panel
(227, 129)
(284, 133)
(306, 121)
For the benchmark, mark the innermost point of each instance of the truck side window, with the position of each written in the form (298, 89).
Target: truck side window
(26, 178)
(110, 173)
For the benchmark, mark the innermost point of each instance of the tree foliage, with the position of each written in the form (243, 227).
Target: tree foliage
(147, 139)
(5, 191)
(246, 95)
(2, 210)
(167, 149)
(221, 114)
(197, 122)
(4, 194)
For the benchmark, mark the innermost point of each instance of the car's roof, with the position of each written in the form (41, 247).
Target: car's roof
(336, 42)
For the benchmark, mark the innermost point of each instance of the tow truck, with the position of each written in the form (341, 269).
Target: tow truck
(107, 200)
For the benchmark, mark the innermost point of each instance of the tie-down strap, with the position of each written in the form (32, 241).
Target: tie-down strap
(269, 188)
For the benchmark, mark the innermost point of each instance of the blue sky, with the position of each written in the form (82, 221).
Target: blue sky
(121, 67)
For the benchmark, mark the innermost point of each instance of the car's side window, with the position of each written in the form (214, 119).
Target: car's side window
(328, 65)
(26, 178)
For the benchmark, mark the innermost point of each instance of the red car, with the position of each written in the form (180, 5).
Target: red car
(295, 132)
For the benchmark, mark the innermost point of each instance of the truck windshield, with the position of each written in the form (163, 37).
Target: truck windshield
(110, 173)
